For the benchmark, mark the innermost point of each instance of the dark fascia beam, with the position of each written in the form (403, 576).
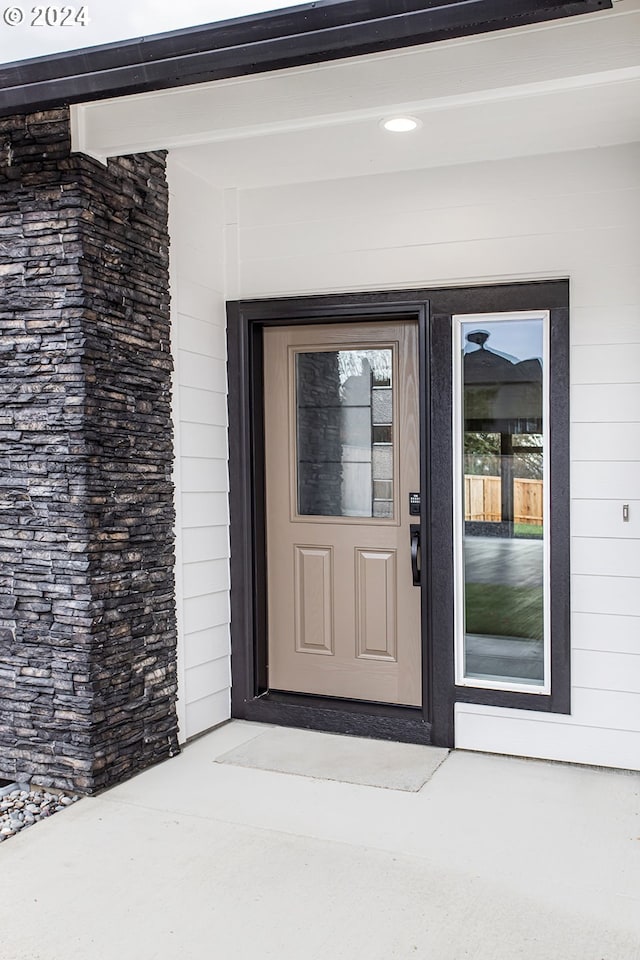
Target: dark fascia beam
(307, 33)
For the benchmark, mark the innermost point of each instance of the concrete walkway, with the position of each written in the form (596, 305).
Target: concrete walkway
(494, 858)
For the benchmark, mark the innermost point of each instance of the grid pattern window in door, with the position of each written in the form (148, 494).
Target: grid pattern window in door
(345, 432)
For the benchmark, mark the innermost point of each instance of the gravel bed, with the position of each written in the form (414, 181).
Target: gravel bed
(23, 807)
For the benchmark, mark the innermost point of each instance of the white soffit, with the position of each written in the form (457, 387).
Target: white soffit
(571, 121)
(557, 86)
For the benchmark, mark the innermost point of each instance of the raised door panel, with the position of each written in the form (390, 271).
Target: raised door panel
(313, 593)
(376, 626)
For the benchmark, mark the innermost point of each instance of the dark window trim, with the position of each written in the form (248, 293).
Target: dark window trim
(554, 297)
(435, 723)
(309, 33)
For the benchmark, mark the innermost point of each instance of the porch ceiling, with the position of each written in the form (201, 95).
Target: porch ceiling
(564, 85)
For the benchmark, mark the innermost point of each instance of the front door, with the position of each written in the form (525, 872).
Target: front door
(341, 460)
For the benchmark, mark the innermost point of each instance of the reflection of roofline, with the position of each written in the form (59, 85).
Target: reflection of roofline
(491, 368)
(307, 33)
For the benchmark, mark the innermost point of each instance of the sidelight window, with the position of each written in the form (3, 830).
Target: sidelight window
(501, 501)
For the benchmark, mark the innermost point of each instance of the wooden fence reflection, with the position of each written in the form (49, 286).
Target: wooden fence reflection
(482, 499)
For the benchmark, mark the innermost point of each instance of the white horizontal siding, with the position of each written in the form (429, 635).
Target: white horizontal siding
(429, 227)
(194, 299)
(605, 403)
(204, 509)
(203, 406)
(601, 594)
(611, 558)
(202, 475)
(607, 633)
(497, 258)
(205, 645)
(201, 472)
(198, 438)
(207, 678)
(610, 279)
(605, 441)
(583, 174)
(603, 518)
(206, 610)
(205, 543)
(208, 711)
(570, 215)
(604, 325)
(206, 577)
(613, 709)
(203, 338)
(202, 371)
(541, 735)
(601, 670)
(606, 363)
(598, 480)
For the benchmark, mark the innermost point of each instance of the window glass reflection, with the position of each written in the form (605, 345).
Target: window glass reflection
(503, 501)
(344, 409)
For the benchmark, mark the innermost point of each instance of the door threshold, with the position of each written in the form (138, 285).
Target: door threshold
(358, 718)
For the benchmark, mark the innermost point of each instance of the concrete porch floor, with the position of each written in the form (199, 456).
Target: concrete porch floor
(494, 858)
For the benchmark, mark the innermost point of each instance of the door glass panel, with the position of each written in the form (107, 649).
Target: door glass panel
(502, 401)
(344, 433)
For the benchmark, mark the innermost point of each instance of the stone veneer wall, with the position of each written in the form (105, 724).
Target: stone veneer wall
(87, 618)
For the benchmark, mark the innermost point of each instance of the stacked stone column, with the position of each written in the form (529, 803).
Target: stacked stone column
(87, 611)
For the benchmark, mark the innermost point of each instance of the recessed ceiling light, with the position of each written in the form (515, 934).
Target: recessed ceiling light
(400, 124)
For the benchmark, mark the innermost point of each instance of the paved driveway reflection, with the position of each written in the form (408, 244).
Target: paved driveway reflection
(516, 563)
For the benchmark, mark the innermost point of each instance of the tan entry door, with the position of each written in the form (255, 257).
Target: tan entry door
(342, 456)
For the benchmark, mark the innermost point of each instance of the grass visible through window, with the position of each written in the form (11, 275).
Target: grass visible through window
(528, 530)
(498, 610)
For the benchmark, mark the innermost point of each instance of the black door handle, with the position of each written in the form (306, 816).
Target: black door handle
(416, 558)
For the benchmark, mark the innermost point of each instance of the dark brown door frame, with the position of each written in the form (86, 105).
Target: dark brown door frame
(432, 309)
(251, 698)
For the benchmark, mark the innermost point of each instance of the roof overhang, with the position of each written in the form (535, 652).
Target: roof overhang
(566, 85)
(304, 34)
